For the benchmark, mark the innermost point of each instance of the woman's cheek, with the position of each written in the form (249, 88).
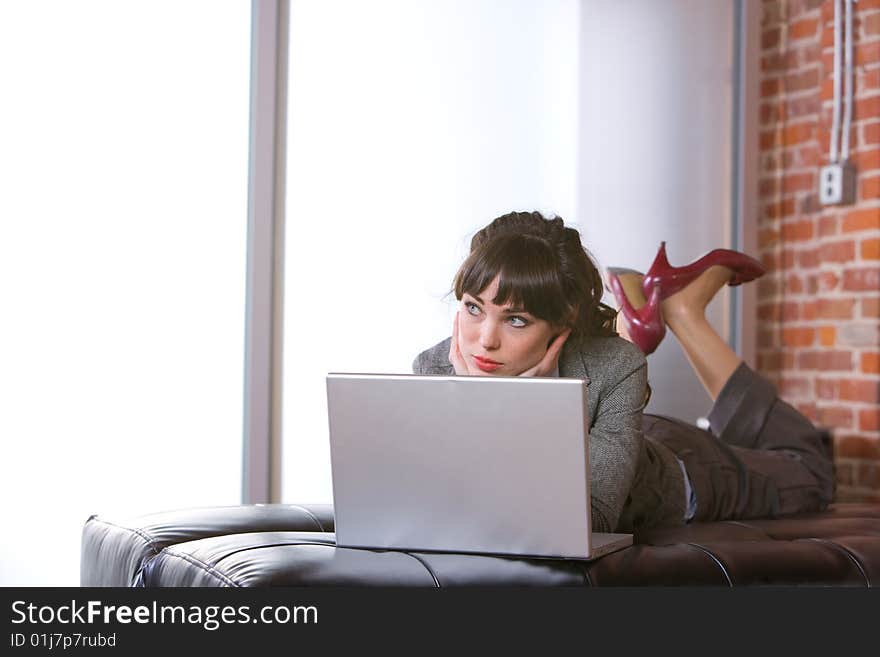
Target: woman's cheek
(463, 337)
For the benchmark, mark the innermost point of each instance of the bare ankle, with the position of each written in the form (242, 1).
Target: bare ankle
(677, 312)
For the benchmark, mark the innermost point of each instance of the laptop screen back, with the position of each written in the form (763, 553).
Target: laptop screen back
(460, 464)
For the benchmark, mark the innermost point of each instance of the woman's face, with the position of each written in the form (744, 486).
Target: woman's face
(500, 340)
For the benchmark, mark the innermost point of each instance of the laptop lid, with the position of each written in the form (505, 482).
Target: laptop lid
(462, 464)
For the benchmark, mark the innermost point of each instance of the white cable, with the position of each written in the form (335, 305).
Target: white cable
(835, 117)
(848, 82)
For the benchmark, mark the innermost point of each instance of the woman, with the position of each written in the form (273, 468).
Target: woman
(531, 306)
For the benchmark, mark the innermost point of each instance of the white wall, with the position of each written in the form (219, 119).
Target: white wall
(655, 152)
(411, 125)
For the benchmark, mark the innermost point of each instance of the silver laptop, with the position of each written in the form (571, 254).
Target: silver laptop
(493, 465)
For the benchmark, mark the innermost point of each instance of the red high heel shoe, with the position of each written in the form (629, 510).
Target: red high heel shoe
(671, 279)
(645, 326)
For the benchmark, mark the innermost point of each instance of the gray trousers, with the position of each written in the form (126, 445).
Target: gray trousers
(760, 458)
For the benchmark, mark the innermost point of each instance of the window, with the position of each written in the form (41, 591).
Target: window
(410, 125)
(123, 223)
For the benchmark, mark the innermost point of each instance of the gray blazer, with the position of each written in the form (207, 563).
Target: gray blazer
(633, 482)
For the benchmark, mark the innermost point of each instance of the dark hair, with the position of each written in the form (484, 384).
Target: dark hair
(544, 269)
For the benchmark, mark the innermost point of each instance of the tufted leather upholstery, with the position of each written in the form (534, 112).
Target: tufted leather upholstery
(293, 545)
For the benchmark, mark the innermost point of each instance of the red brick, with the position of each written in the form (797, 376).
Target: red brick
(770, 113)
(798, 182)
(790, 311)
(809, 156)
(870, 362)
(769, 163)
(867, 80)
(867, 108)
(808, 360)
(770, 139)
(767, 338)
(869, 190)
(772, 62)
(827, 92)
(827, 336)
(796, 133)
(871, 133)
(793, 58)
(871, 307)
(794, 284)
(774, 261)
(862, 280)
(810, 310)
(811, 54)
(827, 226)
(808, 409)
(844, 475)
(827, 281)
(797, 231)
(867, 53)
(770, 38)
(866, 219)
(869, 419)
(767, 237)
(808, 258)
(768, 286)
(809, 205)
(866, 160)
(768, 187)
(871, 249)
(794, 387)
(798, 337)
(837, 308)
(812, 284)
(808, 27)
(771, 13)
(871, 24)
(827, 37)
(829, 361)
(857, 447)
(769, 312)
(867, 392)
(781, 209)
(868, 474)
(769, 361)
(770, 87)
(801, 81)
(838, 251)
(836, 417)
(826, 389)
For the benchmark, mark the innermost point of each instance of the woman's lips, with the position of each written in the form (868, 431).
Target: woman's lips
(487, 364)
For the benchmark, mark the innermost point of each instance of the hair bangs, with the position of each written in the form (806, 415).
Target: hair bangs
(529, 276)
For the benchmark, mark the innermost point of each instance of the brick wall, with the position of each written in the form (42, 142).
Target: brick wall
(819, 304)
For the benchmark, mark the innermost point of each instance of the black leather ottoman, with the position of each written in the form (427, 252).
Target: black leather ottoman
(293, 545)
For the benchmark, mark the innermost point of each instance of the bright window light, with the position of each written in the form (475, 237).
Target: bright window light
(123, 219)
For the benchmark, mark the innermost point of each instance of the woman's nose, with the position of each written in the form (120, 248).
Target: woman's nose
(489, 335)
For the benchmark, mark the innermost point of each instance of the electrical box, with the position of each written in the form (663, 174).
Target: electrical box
(837, 184)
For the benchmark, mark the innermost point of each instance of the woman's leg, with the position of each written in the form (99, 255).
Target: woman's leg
(684, 312)
(770, 459)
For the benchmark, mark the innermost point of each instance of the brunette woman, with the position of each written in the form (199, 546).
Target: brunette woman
(530, 305)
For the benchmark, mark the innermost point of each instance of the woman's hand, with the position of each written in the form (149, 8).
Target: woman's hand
(455, 357)
(551, 358)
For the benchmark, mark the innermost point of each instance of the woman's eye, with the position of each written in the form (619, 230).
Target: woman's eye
(517, 322)
(472, 308)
